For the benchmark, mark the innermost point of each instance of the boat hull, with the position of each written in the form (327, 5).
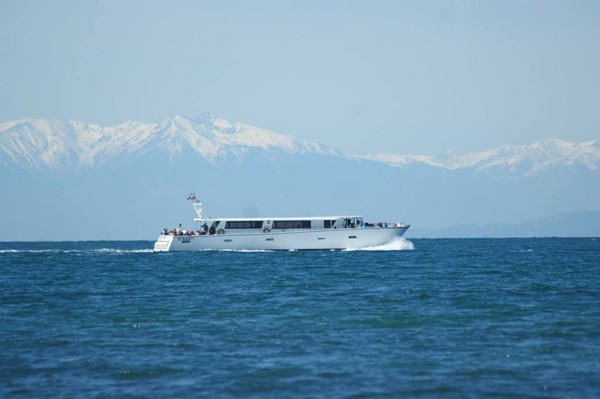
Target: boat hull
(284, 240)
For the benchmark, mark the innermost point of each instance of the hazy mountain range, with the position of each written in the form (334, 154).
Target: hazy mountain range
(47, 144)
(41, 143)
(568, 224)
(520, 161)
(70, 180)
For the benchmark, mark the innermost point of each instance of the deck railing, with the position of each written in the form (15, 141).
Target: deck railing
(378, 225)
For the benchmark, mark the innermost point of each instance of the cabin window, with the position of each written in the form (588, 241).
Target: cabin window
(327, 224)
(244, 224)
(292, 224)
(213, 227)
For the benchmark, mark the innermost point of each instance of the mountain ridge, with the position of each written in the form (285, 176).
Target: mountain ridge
(565, 224)
(42, 143)
(49, 144)
(525, 160)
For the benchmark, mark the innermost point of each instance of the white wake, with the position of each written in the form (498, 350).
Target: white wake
(398, 244)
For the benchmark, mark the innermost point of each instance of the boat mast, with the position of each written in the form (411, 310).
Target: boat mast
(197, 205)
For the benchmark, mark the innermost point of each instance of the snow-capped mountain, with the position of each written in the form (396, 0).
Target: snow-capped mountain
(524, 160)
(48, 144)
(41, 143)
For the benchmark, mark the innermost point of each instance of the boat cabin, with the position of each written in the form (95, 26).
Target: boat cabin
(268, 225)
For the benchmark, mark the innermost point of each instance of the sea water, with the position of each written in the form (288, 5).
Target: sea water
(426, 318)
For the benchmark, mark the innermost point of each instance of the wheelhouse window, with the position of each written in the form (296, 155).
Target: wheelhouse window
(328, 223)
(249, 224)
(292, 224)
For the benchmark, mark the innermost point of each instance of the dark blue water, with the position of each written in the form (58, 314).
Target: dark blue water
(459, 318)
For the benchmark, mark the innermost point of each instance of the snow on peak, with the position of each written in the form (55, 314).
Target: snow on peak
(43, 143)
(524, 159)
(398, 160)
(221, 124)
(213, 137)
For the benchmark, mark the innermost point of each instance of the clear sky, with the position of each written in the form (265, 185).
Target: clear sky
(361, 76)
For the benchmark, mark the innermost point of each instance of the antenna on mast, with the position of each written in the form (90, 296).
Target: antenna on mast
(197, 205)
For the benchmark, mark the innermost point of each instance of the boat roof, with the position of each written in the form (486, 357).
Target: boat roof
(238, 219)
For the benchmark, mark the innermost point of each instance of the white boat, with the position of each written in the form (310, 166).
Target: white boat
(278, 233)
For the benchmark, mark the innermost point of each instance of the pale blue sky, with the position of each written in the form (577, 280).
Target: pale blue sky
(370, 76)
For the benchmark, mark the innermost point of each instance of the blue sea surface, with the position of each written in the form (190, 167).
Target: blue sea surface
(449, 318)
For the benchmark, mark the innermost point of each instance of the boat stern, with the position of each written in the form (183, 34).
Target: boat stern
(163, 244)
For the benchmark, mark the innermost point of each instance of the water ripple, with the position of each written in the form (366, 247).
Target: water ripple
(456, 318)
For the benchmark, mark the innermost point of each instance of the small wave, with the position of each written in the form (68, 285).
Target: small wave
(121, 251)
(398, 244)
(31, 251)
(76, 251)
(223, 250)
(241, 250)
